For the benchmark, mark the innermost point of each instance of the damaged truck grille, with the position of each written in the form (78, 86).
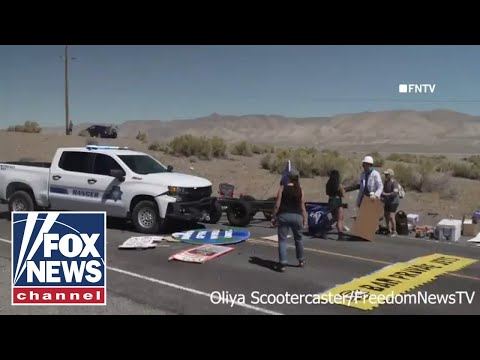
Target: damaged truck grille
(194, 194)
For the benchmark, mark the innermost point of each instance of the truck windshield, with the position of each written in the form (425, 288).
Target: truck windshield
(142, 164)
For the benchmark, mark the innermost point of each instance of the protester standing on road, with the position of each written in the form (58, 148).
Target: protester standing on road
(336, 193)
(370, 185)
(290, 213)
(391, 199)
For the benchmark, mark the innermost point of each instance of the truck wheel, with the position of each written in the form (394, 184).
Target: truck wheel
(239, 213)
(268, 214)
(145, 217)
(216, 213)
(21, 201)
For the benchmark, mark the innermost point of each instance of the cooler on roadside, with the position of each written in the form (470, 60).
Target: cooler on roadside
(449, 230)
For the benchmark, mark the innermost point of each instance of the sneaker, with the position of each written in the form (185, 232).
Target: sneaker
(281, 267)
(301, 263)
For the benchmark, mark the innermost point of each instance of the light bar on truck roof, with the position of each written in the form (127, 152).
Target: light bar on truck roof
(106, 147)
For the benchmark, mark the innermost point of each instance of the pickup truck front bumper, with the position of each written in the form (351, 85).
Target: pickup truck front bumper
(191, 210)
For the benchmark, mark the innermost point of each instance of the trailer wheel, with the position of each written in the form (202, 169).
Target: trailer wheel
(145, 217)
(216, 213)
(268, 214)
(21, 201)
(239, 213)
(250, 198)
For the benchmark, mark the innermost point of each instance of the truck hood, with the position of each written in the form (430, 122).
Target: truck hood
(176, 179)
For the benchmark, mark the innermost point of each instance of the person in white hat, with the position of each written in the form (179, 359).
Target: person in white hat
(371, 184)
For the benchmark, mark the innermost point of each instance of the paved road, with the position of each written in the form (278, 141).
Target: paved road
(145, 282)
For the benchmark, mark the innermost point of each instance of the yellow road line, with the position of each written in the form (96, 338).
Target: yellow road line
(270, 243)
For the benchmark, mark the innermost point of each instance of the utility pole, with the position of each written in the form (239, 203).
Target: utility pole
(67, 113)
(67, 117)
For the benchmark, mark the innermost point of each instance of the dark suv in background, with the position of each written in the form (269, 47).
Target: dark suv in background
(103, 131)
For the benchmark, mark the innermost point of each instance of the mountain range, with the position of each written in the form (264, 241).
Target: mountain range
(437, 128)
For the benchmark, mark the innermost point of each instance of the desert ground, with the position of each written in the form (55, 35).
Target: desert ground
(246, 174)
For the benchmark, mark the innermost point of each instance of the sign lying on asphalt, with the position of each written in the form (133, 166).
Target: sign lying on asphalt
(385, 285)
(217, 237)
(141, 242)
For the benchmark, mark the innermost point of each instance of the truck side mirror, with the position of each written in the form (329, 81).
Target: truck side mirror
(169, 168)
(119, 174)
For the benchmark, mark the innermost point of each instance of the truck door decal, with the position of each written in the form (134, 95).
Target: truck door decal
(74, 192)
(58, 190)
(114, 194)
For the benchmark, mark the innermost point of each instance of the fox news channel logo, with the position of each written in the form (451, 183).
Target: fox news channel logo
(58, 258)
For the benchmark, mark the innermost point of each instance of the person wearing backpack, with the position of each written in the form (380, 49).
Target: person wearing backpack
(391, 199)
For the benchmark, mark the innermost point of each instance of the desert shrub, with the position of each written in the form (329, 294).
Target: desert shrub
(378, 160)
(444, 166)
(467, 171)
(330, 152)
(141, 136)
(421, 178)
(31, 127)
(84, 133)
(408, 158)
(310, 163)
(219, 147)
(262, 149)
(156, 146)
(266, 161)
(202, 147)
(405, 175)
(416, 159)
(242, 148)
(474, 159)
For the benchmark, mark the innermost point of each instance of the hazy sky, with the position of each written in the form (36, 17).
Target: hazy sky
(118, 83)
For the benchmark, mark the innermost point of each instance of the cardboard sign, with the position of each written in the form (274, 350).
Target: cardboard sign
(200, 254)
(366, 223)
(142, 242)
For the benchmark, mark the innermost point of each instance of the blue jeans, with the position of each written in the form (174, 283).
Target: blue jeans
(287, 221)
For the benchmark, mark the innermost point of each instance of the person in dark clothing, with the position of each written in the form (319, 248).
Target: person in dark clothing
(391, 201)
(336, 193)
(290, 213)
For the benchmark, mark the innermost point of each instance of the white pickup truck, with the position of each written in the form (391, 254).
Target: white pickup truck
(125, 183)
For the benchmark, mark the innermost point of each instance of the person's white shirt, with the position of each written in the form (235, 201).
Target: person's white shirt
(374, 185)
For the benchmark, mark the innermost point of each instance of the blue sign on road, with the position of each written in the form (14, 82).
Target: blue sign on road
(217, 237)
